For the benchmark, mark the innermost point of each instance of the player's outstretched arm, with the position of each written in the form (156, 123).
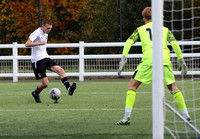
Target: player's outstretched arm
(181, 62)
(129, 42)
(125, 52)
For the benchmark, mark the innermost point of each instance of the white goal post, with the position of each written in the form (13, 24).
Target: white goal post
(157, 70)
(158, 100)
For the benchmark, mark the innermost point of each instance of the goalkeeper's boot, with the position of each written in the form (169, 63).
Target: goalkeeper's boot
(71, 89)
(36, 97)
(187, 117)
(124, 121)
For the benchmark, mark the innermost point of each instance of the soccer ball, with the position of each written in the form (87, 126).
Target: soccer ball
(54, 93)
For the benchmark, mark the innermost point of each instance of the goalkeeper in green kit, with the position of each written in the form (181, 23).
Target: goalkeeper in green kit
(143, 73)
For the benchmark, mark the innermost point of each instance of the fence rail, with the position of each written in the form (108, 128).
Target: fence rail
(83, 65)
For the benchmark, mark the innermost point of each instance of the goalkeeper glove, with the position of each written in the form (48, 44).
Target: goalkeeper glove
(182, 66)
(121, 64)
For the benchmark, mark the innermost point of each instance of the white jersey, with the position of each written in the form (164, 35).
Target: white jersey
(38, 52)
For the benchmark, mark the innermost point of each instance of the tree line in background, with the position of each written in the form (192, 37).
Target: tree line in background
(73, 21)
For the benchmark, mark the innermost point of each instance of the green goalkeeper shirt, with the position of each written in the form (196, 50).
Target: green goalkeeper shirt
(145, 34)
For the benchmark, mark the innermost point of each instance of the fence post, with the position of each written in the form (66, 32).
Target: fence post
(15, 62)
(81, 60)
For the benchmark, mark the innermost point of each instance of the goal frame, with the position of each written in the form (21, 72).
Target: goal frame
(157, 70)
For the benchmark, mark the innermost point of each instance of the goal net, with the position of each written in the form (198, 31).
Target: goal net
(182, 17)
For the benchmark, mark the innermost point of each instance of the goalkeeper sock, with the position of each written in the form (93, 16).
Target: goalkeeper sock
(179, 100)
(65, 82)
(37, 91)
(127, 113)
(130, 100)
(185, 114)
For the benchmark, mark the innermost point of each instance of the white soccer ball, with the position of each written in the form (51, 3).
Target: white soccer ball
(54, 93)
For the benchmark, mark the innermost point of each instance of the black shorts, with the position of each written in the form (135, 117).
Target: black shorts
(41, 66)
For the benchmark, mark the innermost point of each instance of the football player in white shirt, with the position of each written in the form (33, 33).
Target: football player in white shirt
(41, 60)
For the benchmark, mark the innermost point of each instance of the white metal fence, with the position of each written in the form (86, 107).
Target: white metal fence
(83, 65)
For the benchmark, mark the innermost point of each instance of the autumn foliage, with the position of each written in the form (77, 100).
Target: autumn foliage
(73, 20)
(20, 17)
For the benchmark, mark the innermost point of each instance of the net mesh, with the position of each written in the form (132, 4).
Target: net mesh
(182, 18)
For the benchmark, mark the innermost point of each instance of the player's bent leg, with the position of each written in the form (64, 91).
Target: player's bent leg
(44, 83)
(130, 100)
(71, 89)
(181, 104)
(36, 97)
(133, 84)
(60, 71)
(179, 99)
(39, 89)
(130, 97)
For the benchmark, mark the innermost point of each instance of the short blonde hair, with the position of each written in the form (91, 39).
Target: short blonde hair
(146, 13)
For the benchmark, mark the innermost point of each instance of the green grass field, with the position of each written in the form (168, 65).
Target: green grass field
(90, 113)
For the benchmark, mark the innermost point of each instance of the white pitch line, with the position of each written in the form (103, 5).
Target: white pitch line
(79, 93)
(24, 110)
(94, 109)
(110, 93)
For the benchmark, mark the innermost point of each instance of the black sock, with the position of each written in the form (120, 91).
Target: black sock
(65, 82)
(37, 91)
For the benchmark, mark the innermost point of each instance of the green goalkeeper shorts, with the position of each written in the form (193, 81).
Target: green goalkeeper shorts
(143, 73)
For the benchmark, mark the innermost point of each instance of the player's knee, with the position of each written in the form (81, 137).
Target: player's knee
(61, 71)
(133, 84)
(131, 87)
(45, 84)
(173, 90)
